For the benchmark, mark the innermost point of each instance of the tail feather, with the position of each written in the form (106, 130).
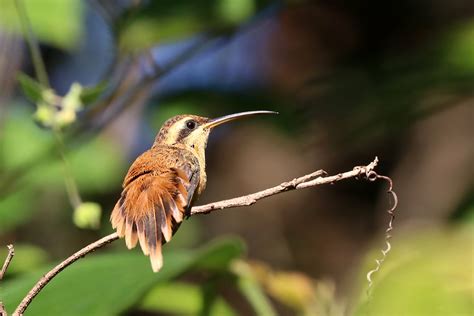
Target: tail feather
(165, 223)
(153, 239)
(156, 258)
(142, 238)
(149, 212)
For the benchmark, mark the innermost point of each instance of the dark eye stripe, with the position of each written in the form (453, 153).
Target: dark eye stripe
(188, 127)
(184, 133)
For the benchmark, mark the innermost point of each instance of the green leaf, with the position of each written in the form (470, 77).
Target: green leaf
(16, 209)
(169, 298)
(91, 94)
(459, 47)
(98, 285)
(426, 273)
(27, 257)
(167, 20)
(21, 139)
(100, 173)
(251, 289)
(22, 142)
(182, 299)
(235, 11)
(106, 284)
(31, 88)
(229, 250)
(57, 22)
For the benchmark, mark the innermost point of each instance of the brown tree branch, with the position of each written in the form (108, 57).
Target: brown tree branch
(8, 259)
(51, 274)
(310, 180)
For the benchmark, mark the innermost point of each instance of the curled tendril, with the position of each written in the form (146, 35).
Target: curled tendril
(373, 176)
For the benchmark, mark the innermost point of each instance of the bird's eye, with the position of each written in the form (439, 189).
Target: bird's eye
(191, 124)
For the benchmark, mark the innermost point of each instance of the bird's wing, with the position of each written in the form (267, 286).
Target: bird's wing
(153, 204)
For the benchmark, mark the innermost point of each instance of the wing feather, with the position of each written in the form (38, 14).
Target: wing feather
(154, 202)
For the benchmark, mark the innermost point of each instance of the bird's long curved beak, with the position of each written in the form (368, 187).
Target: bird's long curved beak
(223, 119)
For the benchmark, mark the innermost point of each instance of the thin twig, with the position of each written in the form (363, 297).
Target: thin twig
(51, 274)
(8, 259)
(316, 178)
(295, 184)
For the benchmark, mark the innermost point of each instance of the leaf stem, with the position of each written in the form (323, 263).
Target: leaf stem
(70, 183)
(40, 70)
(38, 63)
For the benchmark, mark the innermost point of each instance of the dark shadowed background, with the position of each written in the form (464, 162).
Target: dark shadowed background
(351, 79)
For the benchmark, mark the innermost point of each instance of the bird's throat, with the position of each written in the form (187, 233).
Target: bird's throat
(200, 153)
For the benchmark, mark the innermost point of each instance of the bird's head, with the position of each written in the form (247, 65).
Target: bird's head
(192, 131)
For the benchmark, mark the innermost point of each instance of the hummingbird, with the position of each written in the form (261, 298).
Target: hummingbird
(164, 182)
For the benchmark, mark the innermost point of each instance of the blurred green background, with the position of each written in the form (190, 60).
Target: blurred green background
(351, 79)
